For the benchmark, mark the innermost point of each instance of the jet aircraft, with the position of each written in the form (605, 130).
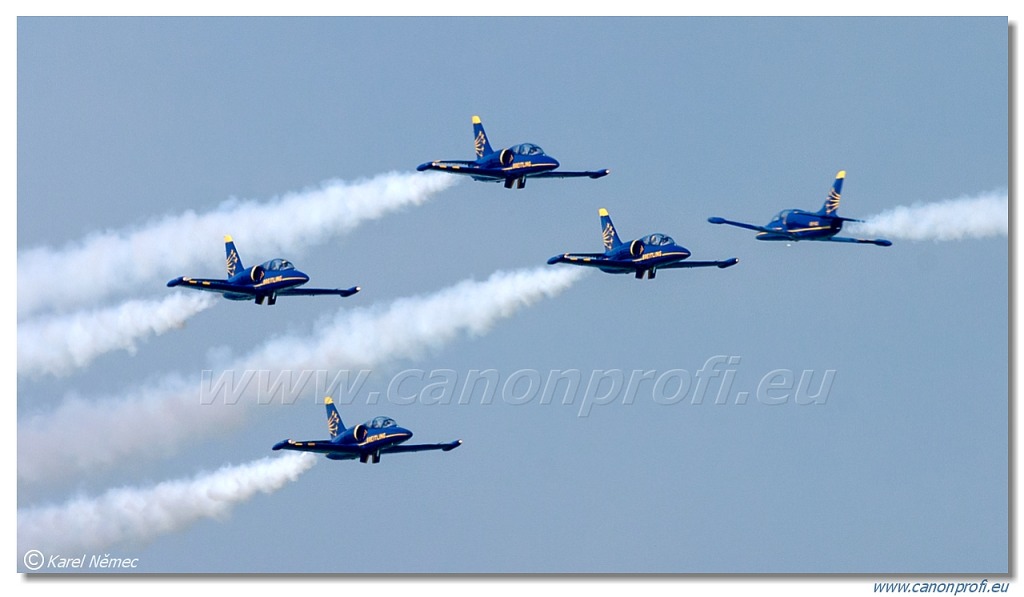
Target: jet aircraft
(366, 441)
(642, 256)
(511, 166)
(797, 224)
(268, 280)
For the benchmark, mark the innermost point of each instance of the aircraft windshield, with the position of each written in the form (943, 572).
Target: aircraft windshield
(657, 240)
(278, 264)
(381, 422)
(528, 149)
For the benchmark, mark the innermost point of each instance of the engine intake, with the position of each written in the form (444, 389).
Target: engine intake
(506, 157)
(256, 273)
(636, 248)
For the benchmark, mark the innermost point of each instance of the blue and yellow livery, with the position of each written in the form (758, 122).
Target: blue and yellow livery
(511, 166)
(797, 224)
(266, 281)
(366, 441)
(643, 256)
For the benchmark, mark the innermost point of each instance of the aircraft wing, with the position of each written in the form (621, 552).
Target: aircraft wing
(421, 447)
(317, 445)
(881, 242)
(717, 220)
(453, 166)
(299, 291)
(221, 286)
(719, 264)
(561, 174)
(585, 259)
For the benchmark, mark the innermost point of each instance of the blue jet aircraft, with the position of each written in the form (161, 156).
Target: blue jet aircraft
(644, 255)
(366, 441)
(268, 280)
(797, 224)
(512, 165)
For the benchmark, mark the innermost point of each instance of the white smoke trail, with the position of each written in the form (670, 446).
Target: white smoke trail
(139, 514)
(82, 435)
(115, 261)
(409, 326)
(983, 216)
(60, 344)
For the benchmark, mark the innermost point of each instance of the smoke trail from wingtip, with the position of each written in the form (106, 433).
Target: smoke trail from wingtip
(983, 216)
(119, 260)
(59, 344)
(82, 435)
(138, 514)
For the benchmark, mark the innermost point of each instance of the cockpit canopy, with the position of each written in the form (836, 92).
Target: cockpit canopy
(527, 149)
(380, 423)
(783, 216)
(278, 264)
(658, 240)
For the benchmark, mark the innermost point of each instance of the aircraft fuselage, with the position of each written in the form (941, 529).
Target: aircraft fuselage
(797, 224)
(644, 256)
(265, 282)
(369, 442)
(362, 442)
(490, 167)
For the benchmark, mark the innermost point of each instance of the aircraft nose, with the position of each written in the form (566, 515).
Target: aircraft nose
(554, 162)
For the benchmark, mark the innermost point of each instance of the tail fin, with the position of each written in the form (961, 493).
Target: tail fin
(234, 263)
(832, 203)
(480, 143)
(608, 234)
(333, 418)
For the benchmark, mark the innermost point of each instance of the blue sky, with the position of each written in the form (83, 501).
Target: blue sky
(902, 469)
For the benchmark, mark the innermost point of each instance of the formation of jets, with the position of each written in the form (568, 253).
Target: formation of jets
(642, 257)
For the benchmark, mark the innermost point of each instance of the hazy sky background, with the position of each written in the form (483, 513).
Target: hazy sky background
(902, 469)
